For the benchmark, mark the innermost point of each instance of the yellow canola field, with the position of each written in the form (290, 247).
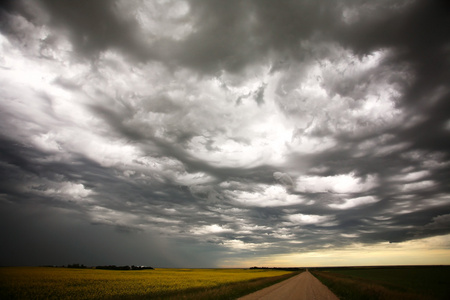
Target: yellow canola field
(62, 283)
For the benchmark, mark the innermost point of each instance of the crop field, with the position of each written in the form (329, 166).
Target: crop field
(412, 282)
(64, 283)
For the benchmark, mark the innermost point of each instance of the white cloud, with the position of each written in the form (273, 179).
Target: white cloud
(417, 186)
(67, 190)
(412, 176)
(265, 196)
(188, 179)
(209, 229)
(245, 228)
(303, 219)
(354, 202)
(342, 184)
(333, 95)
(240, 245)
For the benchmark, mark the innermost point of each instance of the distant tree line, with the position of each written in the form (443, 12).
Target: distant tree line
(77, 266)
(113, 267)
(110, 267)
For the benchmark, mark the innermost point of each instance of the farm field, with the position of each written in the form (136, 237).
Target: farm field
(64, 283)
(411, 282)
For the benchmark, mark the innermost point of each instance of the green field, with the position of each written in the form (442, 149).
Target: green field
(64, 283)
(412, 282)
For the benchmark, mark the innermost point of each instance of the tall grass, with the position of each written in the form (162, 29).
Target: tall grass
(415, 283)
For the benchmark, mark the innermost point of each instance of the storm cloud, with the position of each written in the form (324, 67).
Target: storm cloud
(220, 130)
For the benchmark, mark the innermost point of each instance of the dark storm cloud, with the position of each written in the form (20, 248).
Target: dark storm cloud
(96, 27)
(232, 34)
(418, 35)
(226, 128)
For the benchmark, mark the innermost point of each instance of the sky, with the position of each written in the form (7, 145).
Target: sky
(210, 133)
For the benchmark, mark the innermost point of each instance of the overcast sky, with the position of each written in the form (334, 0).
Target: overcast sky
(224, 133)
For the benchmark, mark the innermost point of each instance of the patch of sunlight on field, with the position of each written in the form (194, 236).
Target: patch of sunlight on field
(62, 283)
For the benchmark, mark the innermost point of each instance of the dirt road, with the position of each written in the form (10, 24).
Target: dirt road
(303, 286)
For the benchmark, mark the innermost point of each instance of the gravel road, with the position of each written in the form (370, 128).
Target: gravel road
(303, 286)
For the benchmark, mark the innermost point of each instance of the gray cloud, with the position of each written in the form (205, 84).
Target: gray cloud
(284, 179)
(220, 129)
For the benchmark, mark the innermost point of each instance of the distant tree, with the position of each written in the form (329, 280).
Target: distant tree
(141, 268)
(77, 266)
(114, 267)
